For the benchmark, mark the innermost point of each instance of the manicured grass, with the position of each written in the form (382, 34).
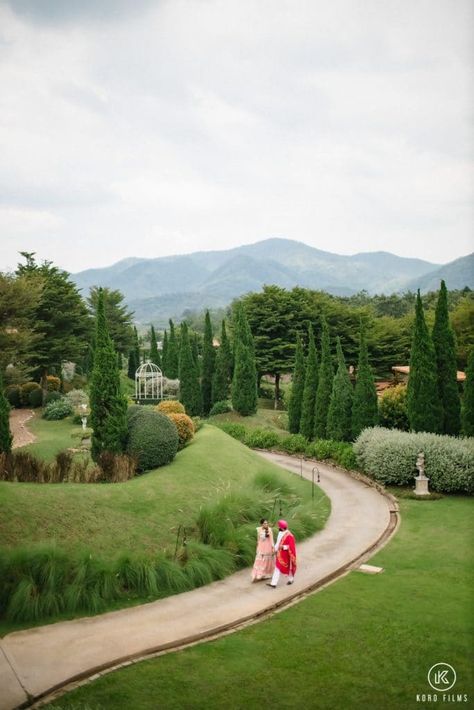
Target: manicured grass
(140, 515)
(52, 437)
(367, 641)
(265, 418)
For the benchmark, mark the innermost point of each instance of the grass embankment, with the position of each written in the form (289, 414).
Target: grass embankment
(366, 641)
(265, 418)
(52, 437)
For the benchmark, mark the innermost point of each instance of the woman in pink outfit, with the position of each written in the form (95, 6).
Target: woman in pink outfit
(264, 564)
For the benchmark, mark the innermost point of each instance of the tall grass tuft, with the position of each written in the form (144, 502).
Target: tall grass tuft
(219, 561)
(271, 482)
(137, 574)
(171, 578)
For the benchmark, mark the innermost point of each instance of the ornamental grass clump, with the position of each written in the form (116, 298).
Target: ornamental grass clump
(389, 456)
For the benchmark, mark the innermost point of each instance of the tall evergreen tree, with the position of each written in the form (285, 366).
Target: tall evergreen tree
(189, 388)
(468, 399)
(244, 382)
(423, 403)
(339, 425)
(297, 389)
(223, 369)
(172, 355)
(108, 404)
(325, 381)
(136, 346)
(6, 437)
(194, 340)
(310, 388)
(208, 366)
(164, 355)
(154, 352)
(364, 406)
(444, 342)
(119, 318)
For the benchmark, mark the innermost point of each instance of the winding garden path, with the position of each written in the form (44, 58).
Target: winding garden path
(35, 662)
(21, 435)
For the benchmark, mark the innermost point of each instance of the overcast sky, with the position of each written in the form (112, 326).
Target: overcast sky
(156, 127)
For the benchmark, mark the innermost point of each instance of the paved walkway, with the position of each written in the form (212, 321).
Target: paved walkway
(36, 661)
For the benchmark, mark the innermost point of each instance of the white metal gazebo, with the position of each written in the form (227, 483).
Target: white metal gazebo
(148, 382)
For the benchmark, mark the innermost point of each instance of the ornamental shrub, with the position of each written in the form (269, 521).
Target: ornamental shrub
(152, 439)
(221, 407)
(393, 412)
(293, 444)
(53, 383)
(52, 396)
(389, 456)
(169, 406)
(26, 389)
(13, 395)
(184, 426)
(36, 398)
(77, 398)
(58, 409)
(261, 439)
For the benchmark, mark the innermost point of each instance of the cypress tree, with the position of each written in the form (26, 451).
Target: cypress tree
(325, 381)
(223, 369)
(132, 364)
(297, 389)
(424, 407)
(119, 361)
(364, 405)
(154, 352)
(164, 354)
(172, 355)
(208, 365)
(339, 425)
(310, 388)
(244, 381)
(6, 437)
(108, 404)
(468, 399)
(189, 388)
(195, 351)
(444, 342)
(136, 346)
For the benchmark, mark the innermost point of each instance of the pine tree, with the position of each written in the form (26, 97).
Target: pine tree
(339, 425)
(468, 399)
(189, 388)
(108, 404)
(6, 437)
(244, 382)
(208, 365)
(297, 389)
(164, 355)
(154, 352)
(310, 388)
(444, 342)
(424, 407)
(325, 380)
(223, 369)
(172, 355)
(364, 405)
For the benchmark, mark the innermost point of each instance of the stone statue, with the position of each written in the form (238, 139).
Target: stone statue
(420, 464)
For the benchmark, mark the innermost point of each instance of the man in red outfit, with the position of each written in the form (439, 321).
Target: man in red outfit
(285, 550)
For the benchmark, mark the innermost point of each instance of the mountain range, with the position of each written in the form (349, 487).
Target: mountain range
(162, 288)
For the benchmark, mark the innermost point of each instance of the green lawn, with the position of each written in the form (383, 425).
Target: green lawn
(52, 437)
(140, 515)
(364, 642)
(265, 418)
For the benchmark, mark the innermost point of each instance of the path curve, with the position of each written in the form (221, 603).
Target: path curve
(38, 661)
(21, 434)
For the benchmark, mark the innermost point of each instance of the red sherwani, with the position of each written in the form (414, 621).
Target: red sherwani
(286, 559)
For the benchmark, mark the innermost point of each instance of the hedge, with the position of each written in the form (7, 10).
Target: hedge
(389, 456)
(152, 438)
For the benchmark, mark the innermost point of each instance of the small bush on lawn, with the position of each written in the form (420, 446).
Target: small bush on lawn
(13, 394)
(184, 426)
(221, 408)
(389, 456)
(59, 409)
(152, 439)
(52, 396)
(393, 413)
(26, 389)
(169, 406)
(77, 398)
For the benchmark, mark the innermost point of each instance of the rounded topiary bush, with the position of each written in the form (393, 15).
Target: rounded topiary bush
(152, 438)
(35, 398)
(393, 411)
(13, 394)
(170, 406)
(53, 383)
(26, 389)
(52, 396)
(58, 409)
(221, 407)
(184, 426)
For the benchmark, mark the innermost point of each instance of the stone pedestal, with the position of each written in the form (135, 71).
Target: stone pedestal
(421, 483)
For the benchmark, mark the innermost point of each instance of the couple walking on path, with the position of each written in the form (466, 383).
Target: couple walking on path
(272, 559)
